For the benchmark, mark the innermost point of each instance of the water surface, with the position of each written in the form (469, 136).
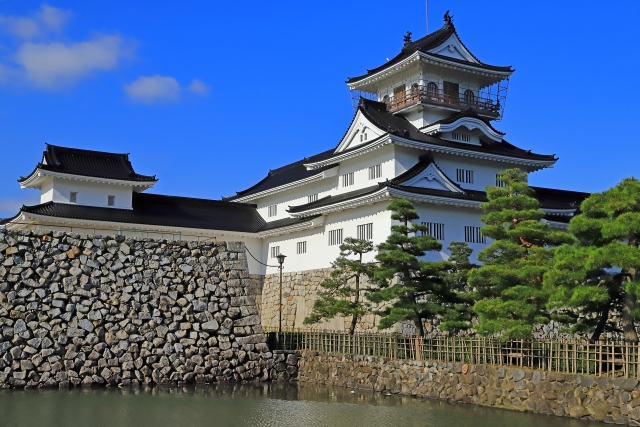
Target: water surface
(254, 405)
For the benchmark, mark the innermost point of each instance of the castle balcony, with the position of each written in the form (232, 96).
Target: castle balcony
(488, 106)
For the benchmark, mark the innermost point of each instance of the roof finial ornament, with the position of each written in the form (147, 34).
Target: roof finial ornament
(407, 38)
(448, 19)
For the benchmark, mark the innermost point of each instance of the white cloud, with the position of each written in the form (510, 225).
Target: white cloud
(153, 89)
(51, 65)
(198, 87)
(159, 89)
(47, 19)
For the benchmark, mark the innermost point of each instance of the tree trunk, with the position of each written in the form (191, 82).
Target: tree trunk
(354, 316)
(630, 300)
(604, 316)
(418, 322)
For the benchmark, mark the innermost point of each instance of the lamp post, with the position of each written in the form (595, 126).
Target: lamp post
(281, 258)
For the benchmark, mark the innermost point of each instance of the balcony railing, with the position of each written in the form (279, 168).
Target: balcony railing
(422, 94)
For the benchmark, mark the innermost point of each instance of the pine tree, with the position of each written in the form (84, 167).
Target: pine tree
(420, 291)
(511, 297)
(342, 293)
(601, 272)
(457, 280)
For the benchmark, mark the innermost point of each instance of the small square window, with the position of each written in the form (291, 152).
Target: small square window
(301, 248)
(111, 200)
(275, 251)
(73, 197)
(273, 210)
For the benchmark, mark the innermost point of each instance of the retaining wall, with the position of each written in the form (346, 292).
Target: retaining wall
(612, 400)
(82, 310)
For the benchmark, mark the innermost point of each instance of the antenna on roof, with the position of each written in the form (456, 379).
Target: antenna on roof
(427, 16)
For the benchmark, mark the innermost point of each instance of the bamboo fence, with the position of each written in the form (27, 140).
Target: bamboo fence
(599, 358)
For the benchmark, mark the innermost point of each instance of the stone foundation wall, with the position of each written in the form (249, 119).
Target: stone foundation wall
(82, 310)
(612, 400)
(299, 292)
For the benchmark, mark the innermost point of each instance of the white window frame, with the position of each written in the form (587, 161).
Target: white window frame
(275, 251)
(365, 231)
(347, 179)
(464, 176)
(272, 210)
(375, 171)
(335, 237)
(301, 247)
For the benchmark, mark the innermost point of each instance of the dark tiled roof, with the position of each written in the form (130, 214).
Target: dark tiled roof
(425, 44)
(330, 200)
(469, 112)
(169, 211)
(286, 174)
(397, 125)
(285, 222)
(97, 164)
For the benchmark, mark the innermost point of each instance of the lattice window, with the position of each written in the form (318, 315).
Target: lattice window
(273, 210)
(459, 136)
(312, 198)
(473, 235)
(301, 248)
(335, 237)
(365, 231)
(434, 229)
(347, 179)
(499, 182)
(275, 251)
(464, 175)
(375, 172)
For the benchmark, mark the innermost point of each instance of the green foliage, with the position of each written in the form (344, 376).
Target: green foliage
(459, 318)
(511, 298)
(599, 273)
(421, 290)
(342, 293)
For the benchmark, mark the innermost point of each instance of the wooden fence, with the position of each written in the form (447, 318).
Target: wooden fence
(600, 358)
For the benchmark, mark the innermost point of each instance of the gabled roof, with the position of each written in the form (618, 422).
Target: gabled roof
(424, 45)
(470, 113)
(160, 210)
(377, 114)
(97, 164)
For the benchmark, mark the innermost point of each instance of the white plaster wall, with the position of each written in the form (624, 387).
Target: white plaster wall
(91, 193)
(319, 253)
(46, 191)
(484, 171)
(454, 220)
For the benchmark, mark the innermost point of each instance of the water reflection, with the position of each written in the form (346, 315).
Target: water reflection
(255, 405)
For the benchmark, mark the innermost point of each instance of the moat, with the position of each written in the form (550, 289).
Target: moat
(255, 405)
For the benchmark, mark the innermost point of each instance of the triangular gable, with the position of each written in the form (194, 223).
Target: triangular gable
(360, 132)
(453, 48)
(432, 177)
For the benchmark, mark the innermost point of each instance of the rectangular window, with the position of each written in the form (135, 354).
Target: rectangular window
(434, 229)
(273, 210)
(347, 179)
(335, 237)
(459, 136)
(464, 175)
(365, 231)
(301, 248)
(312, 198)
(275, 251)
(111, 200)
(73, 197)
(473, 235)
(451, 93)
(499, 183)
(375, 172)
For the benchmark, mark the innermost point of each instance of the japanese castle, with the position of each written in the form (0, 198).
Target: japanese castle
(423, 129)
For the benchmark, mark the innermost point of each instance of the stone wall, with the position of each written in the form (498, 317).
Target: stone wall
(83, 309)
(612, 400)
(299, 292)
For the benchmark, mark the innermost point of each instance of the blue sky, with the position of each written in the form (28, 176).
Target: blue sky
(210, 95)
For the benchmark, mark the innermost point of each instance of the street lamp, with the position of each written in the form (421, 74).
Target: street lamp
(281, 258)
